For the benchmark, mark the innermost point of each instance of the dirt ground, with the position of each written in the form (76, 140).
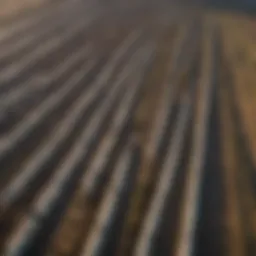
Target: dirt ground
(9, 8)
(239, 48)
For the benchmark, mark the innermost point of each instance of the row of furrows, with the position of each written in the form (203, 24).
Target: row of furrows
(64, 114)
(65, 61)
(51, 201)
(17, 69)
(223, 216)
(98, 182)
(154, 130)
(24, 64)
(87, 200)
(18, 39)
(133, 166)
(61, 13)
(74, 77)
(211, 205)
(190, 201)
(92, 225)
(235, 238)
(168, 224)
(18, 209)
(166, 139)
(208, 209)
(47, 73)
(241, 165)
(31, 226)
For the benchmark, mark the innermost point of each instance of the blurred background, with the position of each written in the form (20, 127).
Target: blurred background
(127, 128)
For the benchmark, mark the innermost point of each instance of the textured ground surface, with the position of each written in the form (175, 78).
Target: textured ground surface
(10, 8)
(125, 132)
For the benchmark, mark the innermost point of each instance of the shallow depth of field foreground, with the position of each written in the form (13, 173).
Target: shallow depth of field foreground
(127, 128)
